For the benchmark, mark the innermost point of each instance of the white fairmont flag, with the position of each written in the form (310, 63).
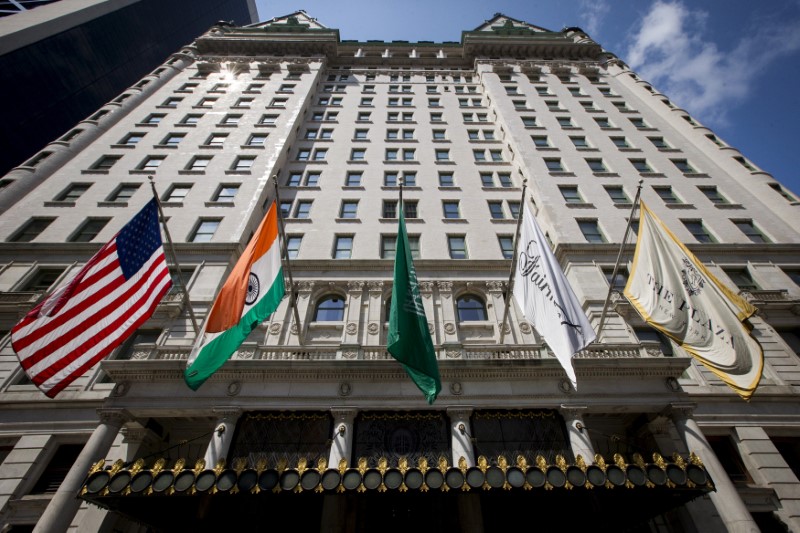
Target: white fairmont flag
(677, 295)
(546, 297)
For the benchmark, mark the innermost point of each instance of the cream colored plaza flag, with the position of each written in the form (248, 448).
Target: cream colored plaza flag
(677, 295)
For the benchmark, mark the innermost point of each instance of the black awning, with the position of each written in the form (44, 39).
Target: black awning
(180, 498)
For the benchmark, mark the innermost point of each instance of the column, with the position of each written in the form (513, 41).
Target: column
(448, 309)
(375, 316)
(304, 289)
(495, 307)
(426, 291)
(223, 434)
(726, 499)
(355, 289)
(578, 433)
(62, 508)
(342, 439)
(461, 435)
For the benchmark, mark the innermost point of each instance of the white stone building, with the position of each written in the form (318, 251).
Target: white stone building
(465, 125)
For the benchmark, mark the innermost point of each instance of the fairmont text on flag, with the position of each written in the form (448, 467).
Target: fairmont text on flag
(409, 340)
(546, 297)
(114, 293)
(250, 295)
(676, 294)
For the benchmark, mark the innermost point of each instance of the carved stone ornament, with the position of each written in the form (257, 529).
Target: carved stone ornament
(565, 386)
(456, 389)
(445, 285)
(672, 384)
(234, 387)
(506, 328)
(305, 286)
(425, 286)
(352, 328)
(140, 354)
(275, 328)
(120, 389)
(375, 286)
(495, 286)
(345, 389)
(524, 327)
(245, 353)
(373, 328)
(430, 328)
(453, 354)
(350, 354)
(355, 287)
(294, 329)
(450, 328)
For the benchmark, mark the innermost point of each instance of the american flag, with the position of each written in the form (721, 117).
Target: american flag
(113, 294)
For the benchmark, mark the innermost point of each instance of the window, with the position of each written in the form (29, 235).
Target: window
(436, 117)
(783, 192)
(293, 245)
(529, 122)
(596, 165)
(153, 118)
(303, 209)
(255, 87)
(173, 139)
(243, 164)
(470, 308)
(742, 161)
(439, 135)
(450, 209)
(617, 194)
(713, 194)
(741, 278)
(284, 88)
(667, 195)
(364, 116)
(591, 231)
(216, 139)
(506, 245)
(390, 179)
(649, 335)
(570, 194)
(353, 179)
(391, 154)
(225, 193)
(231, 120)
(505, 179)
(367, 101)
(257, 139)
(479, 155)
(349, 209)
(89, 230)
(621, 279)
(578, 142)
(206, 102)
(410, 180)
(73, 192)
(106, 162)
(57, 469)
(329, 309)
(554, 165)
(446, 179)
(123, 193)
(659, 143)
(639, 123)
(199, 163)
(433, 102)
(171, 102)
(132, 139)
(564, 122)
(753, 233)
(408, 135)
(457, 245)
(176, 193)
(408, 154)
(303, 155)
(699, 231)
(205, 230)
(360, 135)
(602, 122)
(496, 155)
(276, 102)
(513, 208)
(683, 166)
(442, 155)
(151, 163)
(268, 120)
(31, 229)
(641, 165)
(343, 247)
(358, 154)
(496, 209)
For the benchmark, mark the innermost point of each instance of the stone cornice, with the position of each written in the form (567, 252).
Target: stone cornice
(706, 252)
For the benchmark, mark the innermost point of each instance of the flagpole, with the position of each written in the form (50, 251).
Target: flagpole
(285, 258)
(619, 257)
(186, 298)
(510, 283)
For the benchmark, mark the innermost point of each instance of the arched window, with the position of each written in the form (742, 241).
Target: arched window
(330, 308)
(470, 308)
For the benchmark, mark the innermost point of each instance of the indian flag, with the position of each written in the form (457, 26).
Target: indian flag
(250, 295)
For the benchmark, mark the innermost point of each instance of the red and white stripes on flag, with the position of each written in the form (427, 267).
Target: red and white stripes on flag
(110, 297)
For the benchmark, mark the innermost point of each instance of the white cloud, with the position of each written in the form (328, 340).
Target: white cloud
(671, 50)
(592, 14)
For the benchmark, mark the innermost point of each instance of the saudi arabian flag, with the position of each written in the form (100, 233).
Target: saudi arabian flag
(409, 340)
(250, 295)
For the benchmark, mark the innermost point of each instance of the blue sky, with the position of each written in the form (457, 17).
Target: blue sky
(733, 64)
